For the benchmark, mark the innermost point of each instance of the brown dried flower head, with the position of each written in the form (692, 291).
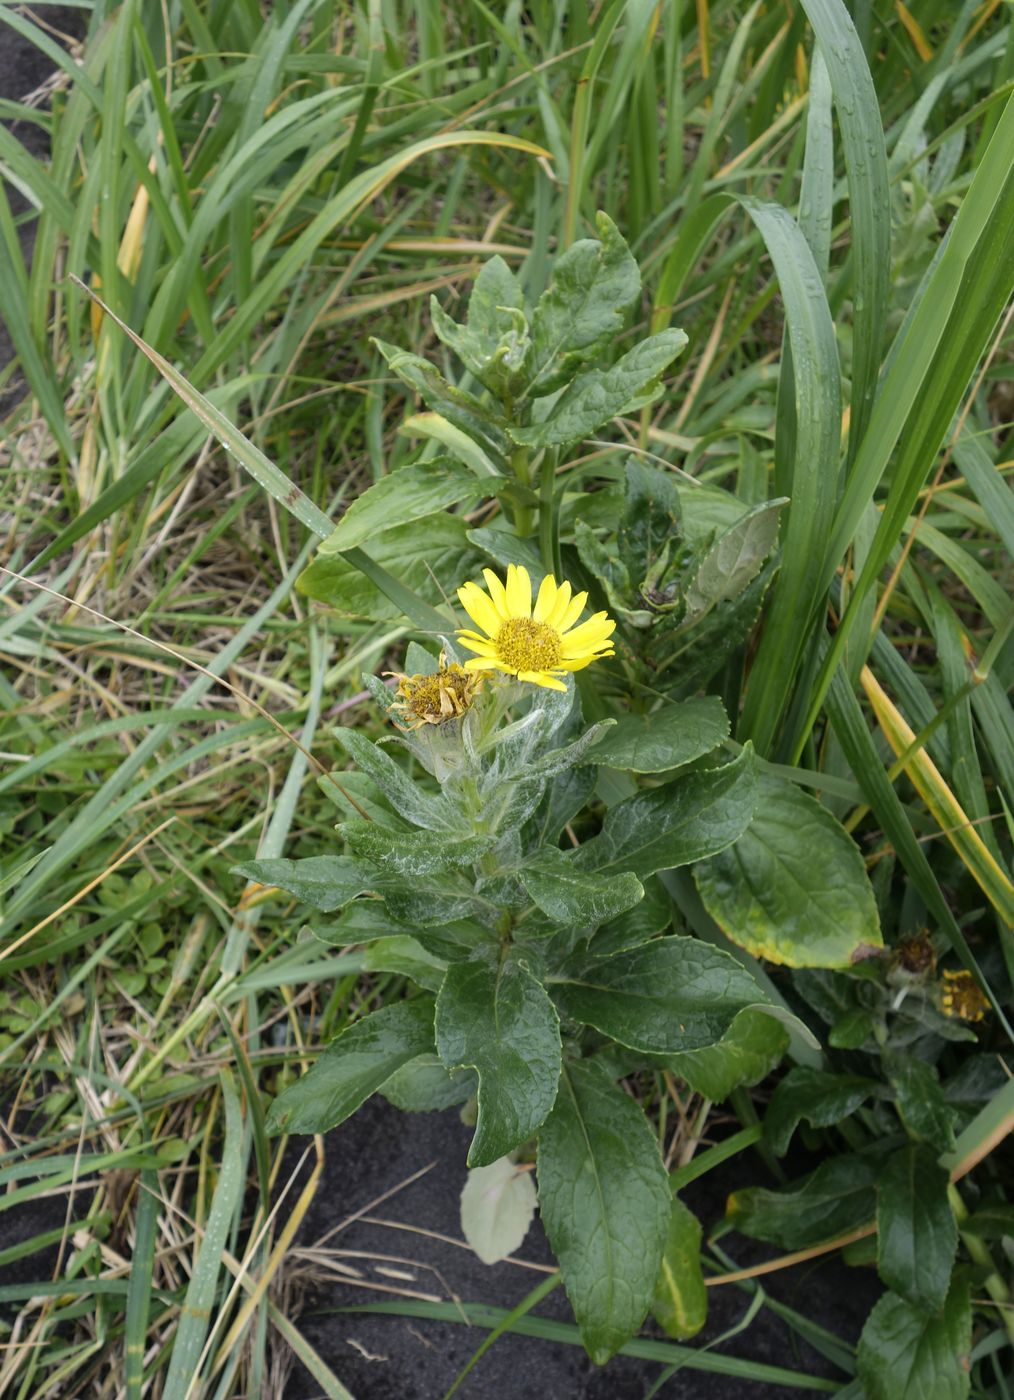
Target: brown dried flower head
(437, 698)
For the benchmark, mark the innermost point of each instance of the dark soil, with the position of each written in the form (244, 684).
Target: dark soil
(389, 1357)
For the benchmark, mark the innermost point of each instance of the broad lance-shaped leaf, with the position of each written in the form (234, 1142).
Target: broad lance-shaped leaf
(917, 1235)
(479, 420)
(493, 342)
(746, 1054)
(412, 853)
(600, 394)
(577, 897)
(424, 1086)
(666, 738)
(921, 1103)
(409, 494)
(680, 1305)
(604, 1200)
(669, 994)
(813, 1094)
(683, 821)
(907, 1352)
(734, 560)
(838, 1196)
(651, 517)
(594, 287)
(794, 888)
(354, 1066)
(495, 1018)
(430, 562)
(406, 796)
(324, 882)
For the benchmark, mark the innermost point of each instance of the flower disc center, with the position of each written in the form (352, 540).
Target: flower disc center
(522, 644)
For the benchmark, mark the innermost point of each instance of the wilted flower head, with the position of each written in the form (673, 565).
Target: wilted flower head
(961, 997)
(444, 695)
(539, 644)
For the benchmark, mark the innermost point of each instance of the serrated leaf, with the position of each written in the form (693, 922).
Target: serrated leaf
(917, 1235)
(471, 415)
(604, 1200)
(680, 1304)
(600, 394)
(497, 1206)
(670, 994)
(324, 882)
(493, 342)
(693, 656)
(838, 1196)
(735, 559)
(794, 888)
(431, 562)
(495, 1018)
(594, 287)
(903, 1351)
(412, 853)
(411, 493)
(577, 897)
(674, 825)
(816, 1095)
(667, 738)
(424, 1086)
(353, 1067)
(746, 1054)
(921, 1104)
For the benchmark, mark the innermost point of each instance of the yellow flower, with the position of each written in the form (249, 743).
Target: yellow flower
(539, 644)
(445, 694)
(961, 998)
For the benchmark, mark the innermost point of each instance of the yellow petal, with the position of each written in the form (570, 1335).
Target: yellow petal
(497, 592)
(480, 608)
(590, 634)
(560, 606)
(481, 663)
(572, 613)
(541, 678)
(519, 591)
(480, 645)
(546, 601)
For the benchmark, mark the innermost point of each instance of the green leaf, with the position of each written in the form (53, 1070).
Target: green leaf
(324, 882)
(409, 494)
(605, 1204)
(794, 888)
(497, 1206)
(651, 517)
(734, 560)
(651, 915)
(493, 343)
(920, 1100)
(595, 285)
(412, 853)
(746, 1054)
(577, 897)
(814, 1094)
(666, 738)
(682, 822)
(905, 1352)
(670, 994)
(407, 957)
(353, 1067)
(424, 1086)
(691, 657)
(496, 1018)
(407, 797)
(917, 1235)
(431, 562)
(852, 1030)
(838, 1196)
(470, 415)
(600, 394)
(680, 1304)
